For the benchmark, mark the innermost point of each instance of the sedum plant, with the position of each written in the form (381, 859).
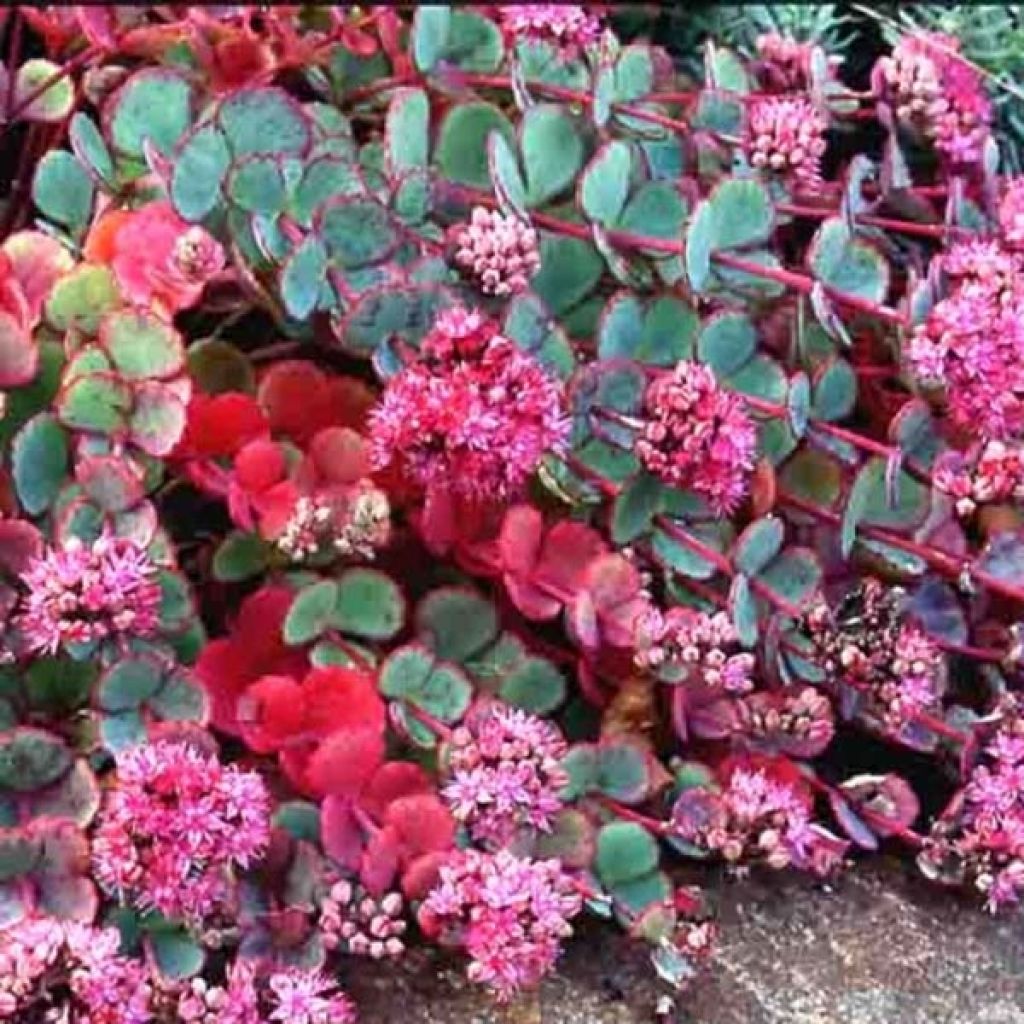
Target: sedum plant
(457, 473)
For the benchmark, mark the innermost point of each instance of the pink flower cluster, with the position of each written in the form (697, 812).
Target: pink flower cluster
(499, 253)
(569, 27)
(981, 834)
(289, 997)
(892, 662)
(356, 527)
(691, 646)
(473, 417)
(696, 435)
(82, 594)
(761, 812)
(798, 724)
(510, 915)
(174, 825)
(39, 954)
(992, 472)
(361, 924)
(971, 347)
(786, 136)
(937, 93)
(984, 262)
(506, 773)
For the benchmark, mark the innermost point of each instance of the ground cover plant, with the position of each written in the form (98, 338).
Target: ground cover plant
(461, 472)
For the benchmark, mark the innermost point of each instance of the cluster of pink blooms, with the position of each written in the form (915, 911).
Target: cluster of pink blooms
(498, 252)
(88, 593)
(787, 137)
(936, 92)
(761, 813)
(985, 262)
(509, 914)
(506, 773)
(992, 472)
(875, 652)
(799, 724)
(981, 835)
(1011, 214)
(356, 922)
(174, 825)
(288, 997)
(39, 954)
(356, 527)
(696, 647)
(697, 436)
(474, 416)
(569, 27)
(972, 347)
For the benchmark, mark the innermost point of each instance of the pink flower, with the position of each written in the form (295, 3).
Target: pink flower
(696, 647)
(173, 826)
(993, 472)
(934, 92)
(355, 525)
(81, 595)
(474, 416)
(499, 253)
(787, 137)
(871, 649)
(308, 997)
(1011, 214)
(982, 262)
(159, 259)
(762, 811)
(697, 436)
(506, 773)
(569, 27)
(972, 348)
(361, 924)
(508, 913)
(797, 724)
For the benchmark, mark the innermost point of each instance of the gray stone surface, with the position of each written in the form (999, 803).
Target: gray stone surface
(880, 947)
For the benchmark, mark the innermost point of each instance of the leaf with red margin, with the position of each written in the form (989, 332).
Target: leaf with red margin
(19, 355)
(37, 263)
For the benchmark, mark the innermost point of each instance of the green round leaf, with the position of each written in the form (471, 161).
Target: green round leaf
(625, 851)
(98, 402)
(63, 191)
(758, 544)
(622, 772)
(311, 612)
(461, 149)
(257, 185)
(240, 557)
(39, 462)
(128, 685)
(141, 345)
(176, 954)
(81, 298)
(847, 264)
(406, 130)
(368, 604)
(90, 147)
(303, 277)
(552, 151)
(199, 170)
(726, 342)
(604, 185)
(153, 104)
(31, 759)
(430, 28)
(51, 105)
(536, 685)
(357, 231)
(456, 622)
(264, 120)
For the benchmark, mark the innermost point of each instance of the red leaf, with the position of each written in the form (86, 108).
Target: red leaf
(19, 357)
(270, 711)
(20, 541)
(341, 698)
(394, 780)
(259, 465)
(569, 549)
(340, 833)
(340, 456)
(379, 863)
(219, 425)
(37, 262)
(421, 875)
(423, 823)
(519, 542)
(344, 762)
(221, 669)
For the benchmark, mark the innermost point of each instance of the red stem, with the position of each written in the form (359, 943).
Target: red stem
(939, 232)
(901, 832)
(435, 725)
(67, 69)
(655, 825)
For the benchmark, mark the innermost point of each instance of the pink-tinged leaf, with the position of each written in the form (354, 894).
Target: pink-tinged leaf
(423, 824)
(611, 581)
(394, 780)
(581, 619)
(19, 356)
(113, 483)
(569, 549)
(530, 600)
(344, 762)
(379, 863)
(421, 875)
(438, 522)
(713, 721)
(340, 455)
(340, 833)
(37, 262)
(520, 539)
(851, 823)
(887, 801)
(20, 541)
(158, 418)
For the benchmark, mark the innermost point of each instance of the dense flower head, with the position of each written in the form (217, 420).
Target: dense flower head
(510, 914)
(868, 645)
(980, 836)
(498, 252)
(39, 954)
(761, 812)
(474, 416)
(799, 724)
(355, 525)
(971, 346)
(82, 593)
(988, 473)
(506, 772)
(696, 435)
(362, 924)
(786, 136)
(570, 27)
(984, 262)
(174, 825)
(937, 93)
(1011, 214)
(159, 259)
(291, 996)
(692, 646)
